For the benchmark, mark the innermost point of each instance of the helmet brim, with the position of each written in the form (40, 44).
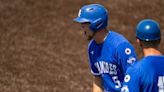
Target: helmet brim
(81, 20)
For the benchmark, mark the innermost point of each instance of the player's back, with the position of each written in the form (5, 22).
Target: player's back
(152, 74)
(146, 75)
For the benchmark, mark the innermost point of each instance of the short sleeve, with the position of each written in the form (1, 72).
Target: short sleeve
(125, 55)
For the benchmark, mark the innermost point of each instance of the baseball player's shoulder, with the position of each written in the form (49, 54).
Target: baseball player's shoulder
(153, 57)
(139, 66)
(134, 67)
(114, 39)
(145, 62)
(118, 37)
(116, 43)
(149, 62)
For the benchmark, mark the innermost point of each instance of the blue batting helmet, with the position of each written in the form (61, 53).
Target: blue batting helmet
(95, 14)
(148, 30)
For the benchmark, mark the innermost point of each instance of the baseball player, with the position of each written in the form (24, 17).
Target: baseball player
(110, 54)
(147, 75)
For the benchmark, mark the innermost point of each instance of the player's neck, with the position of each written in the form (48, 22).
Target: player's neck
(151, 52)
(100, 36)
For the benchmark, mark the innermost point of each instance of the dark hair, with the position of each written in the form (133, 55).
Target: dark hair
(150, 44)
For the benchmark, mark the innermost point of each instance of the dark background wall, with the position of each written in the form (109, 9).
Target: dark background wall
(42, 50)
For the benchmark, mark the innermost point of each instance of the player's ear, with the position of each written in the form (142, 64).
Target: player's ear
(139, 42)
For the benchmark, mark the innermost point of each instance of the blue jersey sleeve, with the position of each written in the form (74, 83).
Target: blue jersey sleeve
(125, 55)
(131, 81)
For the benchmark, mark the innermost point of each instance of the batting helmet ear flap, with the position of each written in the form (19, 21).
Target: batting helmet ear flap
(95, 25)
(98, 24)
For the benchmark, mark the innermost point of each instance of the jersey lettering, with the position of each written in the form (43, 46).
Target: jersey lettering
(161, 84)
(105, 67)
(125, 88)
(116, 81)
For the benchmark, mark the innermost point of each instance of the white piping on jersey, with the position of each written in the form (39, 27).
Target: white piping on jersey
(94, 73)
(105, 37)
(89, 58)
(90, 44)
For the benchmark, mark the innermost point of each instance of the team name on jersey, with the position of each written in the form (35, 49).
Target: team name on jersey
(105, 67)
